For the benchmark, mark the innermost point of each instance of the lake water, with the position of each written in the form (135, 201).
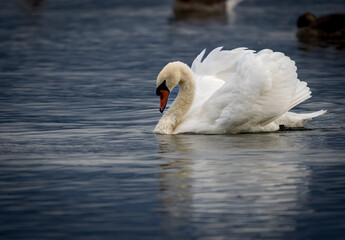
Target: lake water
(78, 159)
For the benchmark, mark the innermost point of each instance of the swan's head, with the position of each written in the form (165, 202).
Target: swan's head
(305, 20)
(167, 79)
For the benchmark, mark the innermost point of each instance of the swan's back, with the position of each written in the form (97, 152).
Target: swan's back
(266, 86)
(245, 91)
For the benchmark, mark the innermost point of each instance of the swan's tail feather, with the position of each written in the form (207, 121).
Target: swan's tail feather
(309, 116)
(295, 120)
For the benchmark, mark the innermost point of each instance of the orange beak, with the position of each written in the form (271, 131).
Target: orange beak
(163, 95)
(163, 92)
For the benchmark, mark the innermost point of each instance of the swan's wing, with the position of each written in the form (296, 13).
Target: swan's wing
(212, 72)
(264, 87)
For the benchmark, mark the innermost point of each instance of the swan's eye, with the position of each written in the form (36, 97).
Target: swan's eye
(161, 87)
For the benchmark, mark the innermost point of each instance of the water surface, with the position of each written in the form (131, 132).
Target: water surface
(78, 159)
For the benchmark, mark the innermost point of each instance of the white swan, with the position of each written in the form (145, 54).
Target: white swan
(232, 92)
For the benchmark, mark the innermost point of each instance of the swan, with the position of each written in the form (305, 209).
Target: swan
(232, 92)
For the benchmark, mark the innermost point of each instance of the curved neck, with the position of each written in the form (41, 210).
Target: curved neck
(183, 101)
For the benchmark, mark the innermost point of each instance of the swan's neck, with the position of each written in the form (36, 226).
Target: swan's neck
(182, 103)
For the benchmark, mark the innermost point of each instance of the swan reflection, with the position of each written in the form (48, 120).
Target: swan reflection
(238, 183)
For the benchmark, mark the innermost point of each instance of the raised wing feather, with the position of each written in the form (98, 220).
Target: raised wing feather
(219, 64)
(211, 73)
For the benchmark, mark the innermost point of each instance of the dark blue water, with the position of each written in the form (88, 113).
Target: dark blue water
(78, 159)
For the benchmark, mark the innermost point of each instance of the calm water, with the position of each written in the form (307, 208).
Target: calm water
(78, 159)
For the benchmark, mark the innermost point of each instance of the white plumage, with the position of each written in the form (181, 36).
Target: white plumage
(232, 92)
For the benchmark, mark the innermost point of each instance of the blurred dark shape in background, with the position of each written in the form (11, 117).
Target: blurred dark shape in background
(199, 9)
(32, 5)
(323, 31)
